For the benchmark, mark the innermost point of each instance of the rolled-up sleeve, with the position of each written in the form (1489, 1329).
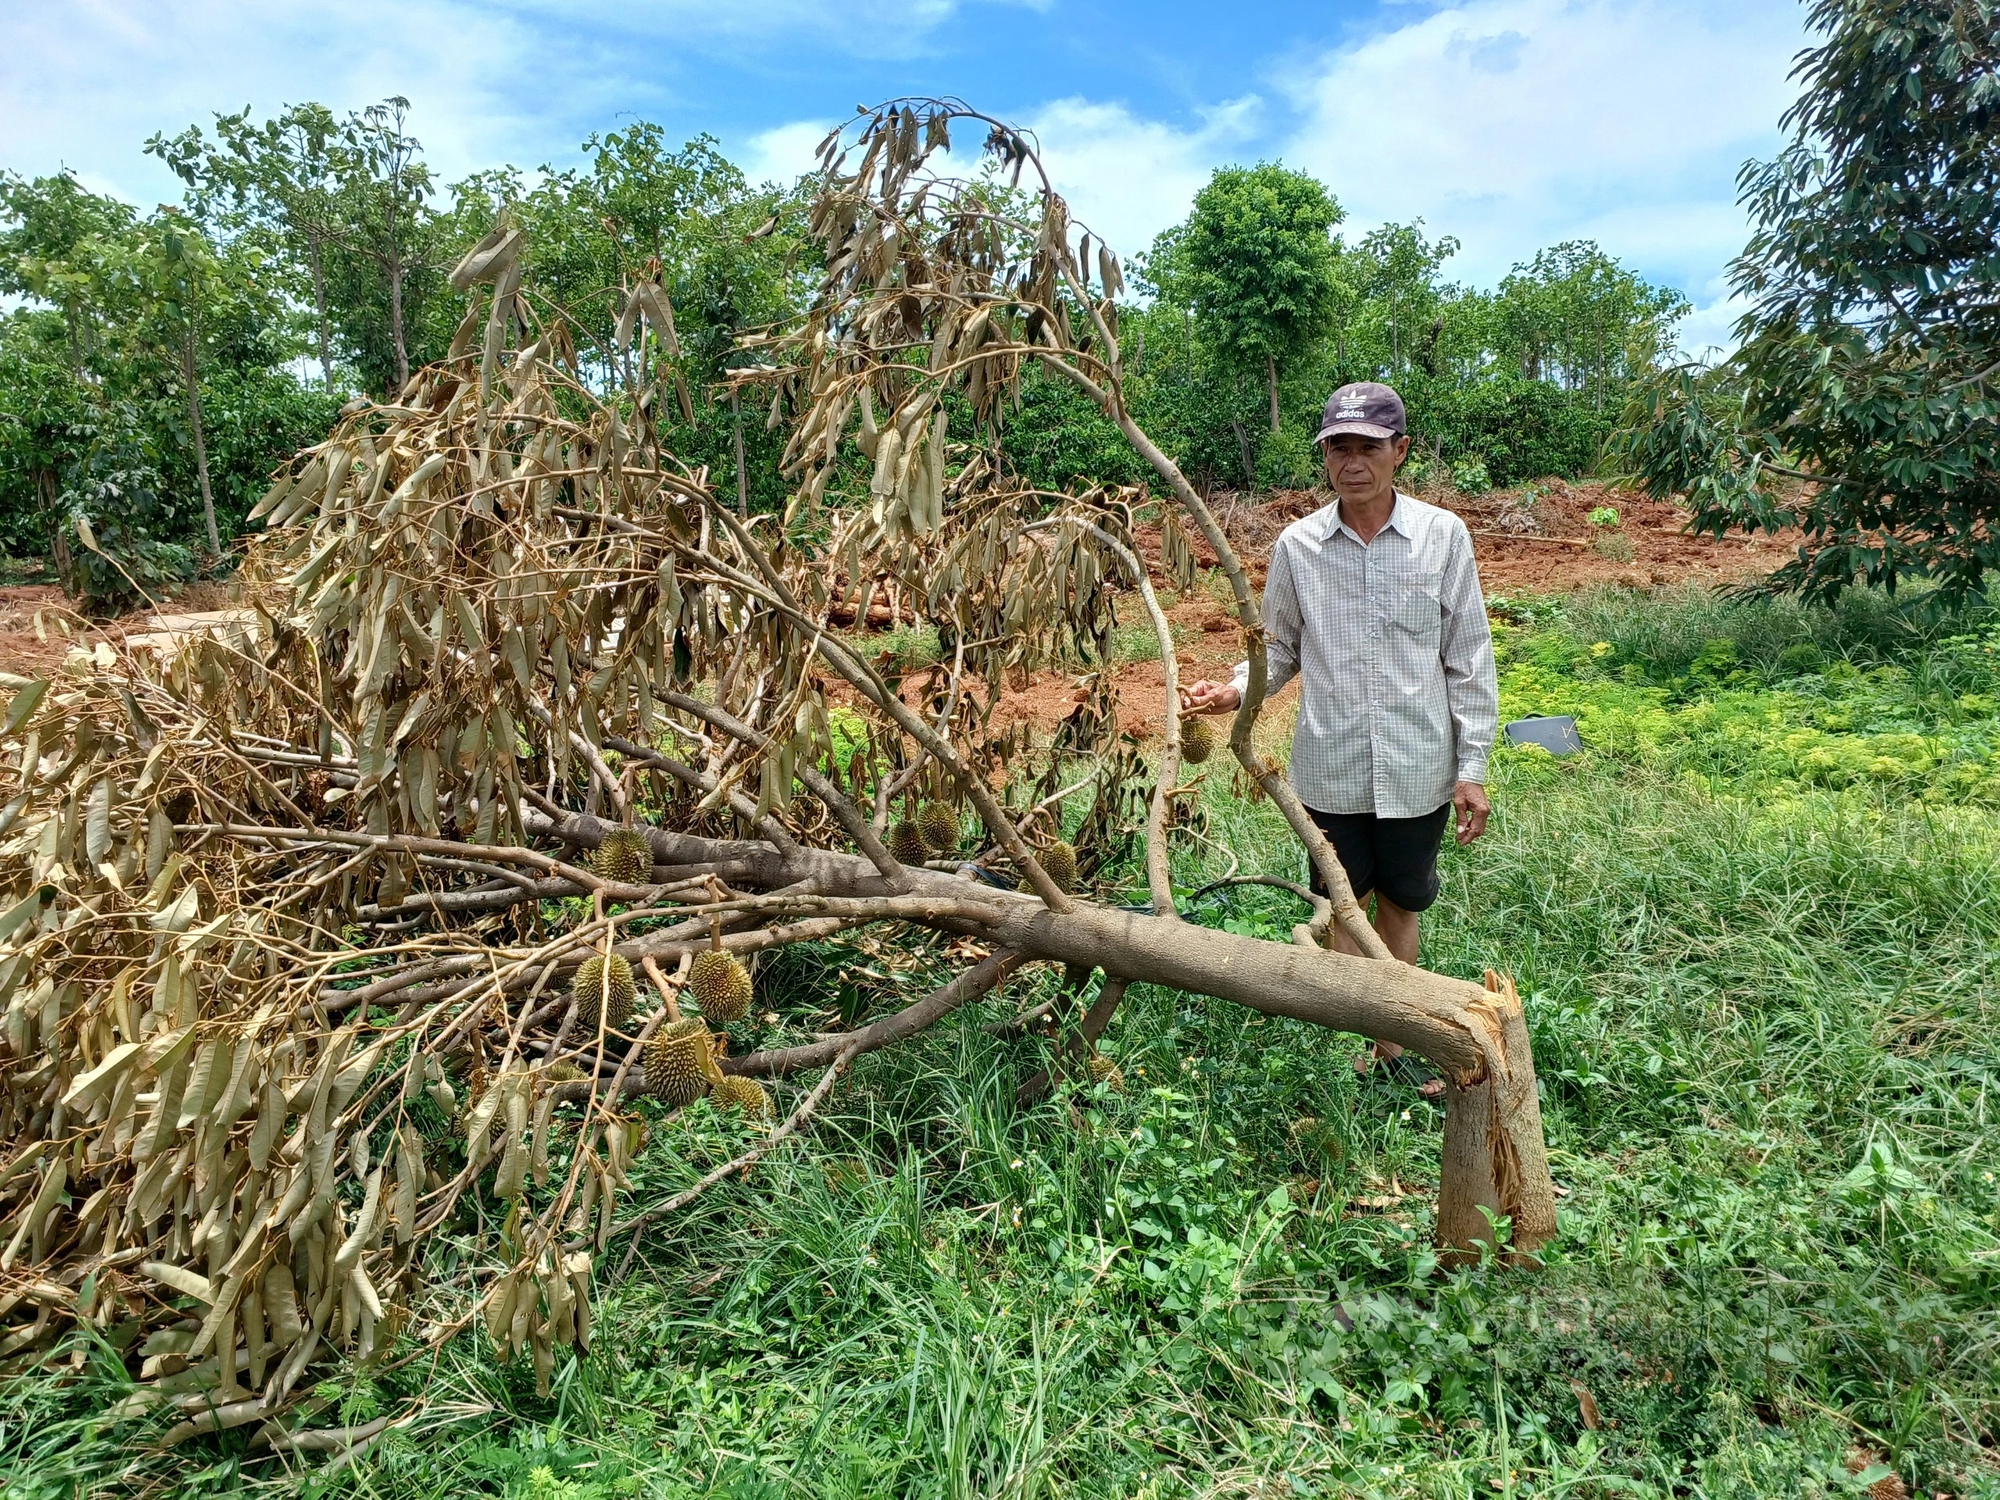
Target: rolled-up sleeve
(1471, 686)
(1282, 624)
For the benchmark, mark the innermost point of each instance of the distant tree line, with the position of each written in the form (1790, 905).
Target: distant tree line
(1258, 310)
(154, 368)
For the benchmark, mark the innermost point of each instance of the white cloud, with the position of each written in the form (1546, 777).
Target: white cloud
(1127, 177)
(85, 83)
(866, 28)
(783, 153)
(1516, 123)
(1710, 330)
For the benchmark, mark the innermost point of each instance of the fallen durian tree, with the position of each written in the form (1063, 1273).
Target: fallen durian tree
(333, 923)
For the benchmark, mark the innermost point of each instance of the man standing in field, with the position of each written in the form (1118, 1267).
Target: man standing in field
(1375, 603)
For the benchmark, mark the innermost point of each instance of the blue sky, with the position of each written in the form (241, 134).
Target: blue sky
(1510, 124)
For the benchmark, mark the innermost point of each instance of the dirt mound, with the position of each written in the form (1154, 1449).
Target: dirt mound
(1539, 538)
(28, 654)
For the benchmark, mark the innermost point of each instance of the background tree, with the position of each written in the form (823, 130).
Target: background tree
(1395, 270)
(388, 262)
(1255, 261)
(726, 253)
(167, 274)
(1862, 406)
(48, 222)
(146, 384)
(282, 177)
(45, 412)
(1575, 316)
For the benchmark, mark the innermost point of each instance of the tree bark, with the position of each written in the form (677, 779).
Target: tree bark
(47, 493)
(1494, 1156)
(393, 261)
(1475, 1035)
(1271, 384)
(1243, 447)
(395, 268)
(742, 474)
(189, 369)
(316, 253)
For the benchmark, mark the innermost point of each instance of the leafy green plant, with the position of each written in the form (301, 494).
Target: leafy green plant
(1860, 405)
(1470, 476)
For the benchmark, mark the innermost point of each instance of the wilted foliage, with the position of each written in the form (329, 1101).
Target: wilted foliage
(306, 948)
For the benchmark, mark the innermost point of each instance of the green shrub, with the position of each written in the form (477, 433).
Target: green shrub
(1520, 429)
(1469, 475)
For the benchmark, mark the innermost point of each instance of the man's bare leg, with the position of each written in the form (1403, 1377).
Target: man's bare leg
(1398, 929)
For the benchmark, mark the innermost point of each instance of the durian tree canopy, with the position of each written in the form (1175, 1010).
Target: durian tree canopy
(280, 900)
(1862, 404)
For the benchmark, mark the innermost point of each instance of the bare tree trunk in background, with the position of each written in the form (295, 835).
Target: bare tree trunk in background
(1271, 381)
(395, 265)
(1243, 447)
(742, 474)
(316, 252)
(1427, 354)
(188, 373)
(47, 493)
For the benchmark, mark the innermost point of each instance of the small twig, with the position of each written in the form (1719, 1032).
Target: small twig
(905, 1023)
(1079, 1046)
(748, 1159)
(667, 991)
(1523, 536)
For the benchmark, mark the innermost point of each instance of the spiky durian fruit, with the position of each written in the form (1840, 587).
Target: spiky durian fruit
(1059, 860)
(721, 987)
(937, 825)
(1103, 1070)
(624, 858)
(1197, 741)
(677, 1061)
(589, 988)
(746, 1094)
(907, 844)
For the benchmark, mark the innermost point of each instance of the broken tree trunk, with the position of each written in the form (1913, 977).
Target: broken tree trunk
(1475, 1035)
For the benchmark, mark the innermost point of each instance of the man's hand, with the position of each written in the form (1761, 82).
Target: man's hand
(1210, 698)
(1469, 797)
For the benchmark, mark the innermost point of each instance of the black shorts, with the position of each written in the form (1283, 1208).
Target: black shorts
(1396, 856)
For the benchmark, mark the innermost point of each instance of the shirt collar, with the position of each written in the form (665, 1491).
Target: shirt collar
(1402, 519)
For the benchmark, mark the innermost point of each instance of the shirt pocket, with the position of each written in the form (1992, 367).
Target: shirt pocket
(1415, 611)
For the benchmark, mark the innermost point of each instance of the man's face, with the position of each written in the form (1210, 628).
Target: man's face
(1360, 468)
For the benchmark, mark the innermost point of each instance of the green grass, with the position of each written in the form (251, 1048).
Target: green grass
(1762, 995)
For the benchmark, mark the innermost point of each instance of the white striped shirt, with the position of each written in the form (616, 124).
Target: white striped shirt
(1399, 698)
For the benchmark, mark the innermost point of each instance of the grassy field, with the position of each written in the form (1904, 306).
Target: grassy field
(1758, 930)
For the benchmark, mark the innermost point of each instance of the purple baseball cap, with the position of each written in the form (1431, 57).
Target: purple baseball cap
(1366, 407)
